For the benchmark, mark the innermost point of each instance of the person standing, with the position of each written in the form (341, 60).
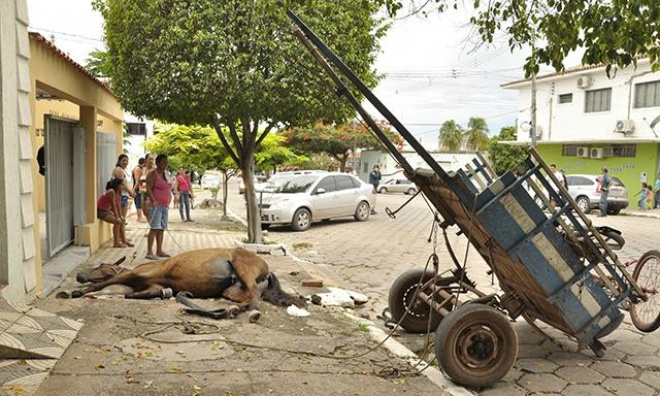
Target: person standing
(374, 180)
(137, 174)
(159, 195)
(185, 194)
(146, 170)
(643, 194)
(605, 183)
(127, 192)
(656, 188)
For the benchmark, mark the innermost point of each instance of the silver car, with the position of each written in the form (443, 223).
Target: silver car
(400, 185)
(583, 188)
(299, 200)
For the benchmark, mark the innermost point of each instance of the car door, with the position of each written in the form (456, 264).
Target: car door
(324, 199)
(347, 195)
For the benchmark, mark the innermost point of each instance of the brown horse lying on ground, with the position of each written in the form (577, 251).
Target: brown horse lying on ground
(236, 274)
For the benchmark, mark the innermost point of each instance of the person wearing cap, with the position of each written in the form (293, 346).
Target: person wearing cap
(605, 182)
(374, 180)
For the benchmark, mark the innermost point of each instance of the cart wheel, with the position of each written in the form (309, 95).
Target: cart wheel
(645, 315)
(402, 302)
(476, 345)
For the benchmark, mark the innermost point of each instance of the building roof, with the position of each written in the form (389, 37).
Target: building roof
(38, 38)
(570, 70)
(586, 142)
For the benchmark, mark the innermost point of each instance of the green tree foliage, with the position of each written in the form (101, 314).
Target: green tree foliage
(273, 153)
(505, 157)
(336, 140)
(609, 32)
(476, 135)
(234, 64)
(451, 136)
(97, 64)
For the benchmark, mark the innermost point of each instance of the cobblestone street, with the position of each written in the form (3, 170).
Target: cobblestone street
(370, 255)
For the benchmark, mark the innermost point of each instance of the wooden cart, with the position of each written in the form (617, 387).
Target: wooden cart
(551, 263)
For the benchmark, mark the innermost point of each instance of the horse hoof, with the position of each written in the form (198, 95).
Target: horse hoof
(63, 294)
(233, 311)
(254, 316)
(82, 278)
(76, 294)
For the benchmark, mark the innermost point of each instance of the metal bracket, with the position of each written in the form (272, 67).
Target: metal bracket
(393, 214)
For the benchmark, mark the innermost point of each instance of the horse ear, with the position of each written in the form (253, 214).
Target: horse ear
(121, 260)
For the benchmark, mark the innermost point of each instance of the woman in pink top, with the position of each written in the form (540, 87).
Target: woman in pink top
(185, 194)
(158, 197)
(108, 209)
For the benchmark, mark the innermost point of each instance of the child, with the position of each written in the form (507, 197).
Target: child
(650, 197)
(108, 209)
(643, 195)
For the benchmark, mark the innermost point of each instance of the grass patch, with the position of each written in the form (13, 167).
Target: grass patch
(230, 226)
(363, 327)
(302, 245)
(265, 242)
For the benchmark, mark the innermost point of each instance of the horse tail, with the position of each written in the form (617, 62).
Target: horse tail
(275, 295)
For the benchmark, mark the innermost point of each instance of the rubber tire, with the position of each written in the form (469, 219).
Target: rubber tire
(265, 226)
(614, 212)
(294, 223)
(357, 211)
(403, 283)
(454, 324)
(382, 190)
(411, 191)
(588, 204)
(633, 316)
(615, 237)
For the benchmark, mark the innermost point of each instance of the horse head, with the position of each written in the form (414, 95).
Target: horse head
(101, 273)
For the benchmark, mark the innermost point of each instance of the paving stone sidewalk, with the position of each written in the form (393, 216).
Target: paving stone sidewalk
(115, 352)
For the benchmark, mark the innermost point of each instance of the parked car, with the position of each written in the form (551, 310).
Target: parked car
(262, 185)
(258, 179)
(210, 180)
(299, 200)
(400, 185)
(583, 189)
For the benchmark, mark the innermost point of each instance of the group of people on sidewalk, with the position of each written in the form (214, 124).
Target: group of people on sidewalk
(152, 189)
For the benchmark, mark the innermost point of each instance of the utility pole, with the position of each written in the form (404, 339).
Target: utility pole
(533, 110)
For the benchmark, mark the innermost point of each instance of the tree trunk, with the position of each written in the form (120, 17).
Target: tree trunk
(225, 185)
(253, 217)
(342, 162)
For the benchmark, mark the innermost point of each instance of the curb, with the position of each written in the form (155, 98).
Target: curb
(402, 352)
(641, 214)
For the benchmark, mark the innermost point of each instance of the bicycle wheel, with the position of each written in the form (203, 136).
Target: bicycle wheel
(645, 315)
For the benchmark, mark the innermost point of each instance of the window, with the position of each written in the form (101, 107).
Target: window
(598, 100)
(566, 98)
(135, 128)
(647, 94)
(569, 150)
(578, 181)
(328, 184)
(344, 183)
(356, 183)
(624, 150)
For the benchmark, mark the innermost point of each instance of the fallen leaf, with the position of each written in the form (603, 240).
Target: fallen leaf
(99, 366)
(175, 369)
(195, 387)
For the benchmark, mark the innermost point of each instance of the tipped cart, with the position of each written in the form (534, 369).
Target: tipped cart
(551, 263)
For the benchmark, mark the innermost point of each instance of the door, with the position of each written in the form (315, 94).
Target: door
(59, 183)
(346, 195)
(325, 202)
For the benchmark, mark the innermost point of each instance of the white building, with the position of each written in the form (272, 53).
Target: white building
(450, 161)
(139, 131)
(587, 119)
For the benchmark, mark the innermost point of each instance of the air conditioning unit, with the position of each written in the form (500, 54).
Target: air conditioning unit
(624, 126)
(583, 152)
(585, 82)
(600, 152)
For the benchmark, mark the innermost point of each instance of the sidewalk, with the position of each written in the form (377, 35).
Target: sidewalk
(651, 213)
(124, 349)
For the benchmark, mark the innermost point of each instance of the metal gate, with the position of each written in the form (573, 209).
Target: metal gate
(59, 183)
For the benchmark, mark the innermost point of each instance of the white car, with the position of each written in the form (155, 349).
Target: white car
(299, 200)
(258, 180)
(400, 185)
(262, 185)
(210, 180)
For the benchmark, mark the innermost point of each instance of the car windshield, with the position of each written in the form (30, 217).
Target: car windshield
(291, 184)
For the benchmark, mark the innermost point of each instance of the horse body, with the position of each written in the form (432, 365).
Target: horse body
(236, 274)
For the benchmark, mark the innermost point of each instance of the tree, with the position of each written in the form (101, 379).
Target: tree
(451, 136)
(97, 63)
(234, 64)
(610, 32)
(336, 140)
(476, 136)
(272, 153)
(505, 157)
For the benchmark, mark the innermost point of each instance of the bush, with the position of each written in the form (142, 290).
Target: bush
(214, 192)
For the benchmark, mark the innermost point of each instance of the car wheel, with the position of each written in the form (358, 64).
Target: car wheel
(362, 211)
(265, 226)
(584, 204)
(614, 211)
(411, 191)
(302, 220)
(382, 190)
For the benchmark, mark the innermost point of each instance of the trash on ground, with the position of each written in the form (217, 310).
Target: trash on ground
(312, 283)
(295, 311)
(340, 297)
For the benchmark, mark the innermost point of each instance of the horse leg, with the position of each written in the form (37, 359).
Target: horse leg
(237, 294)
(122, 278)
(153, 291)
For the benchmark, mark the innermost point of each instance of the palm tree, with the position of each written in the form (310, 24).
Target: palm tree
(476, 136)
(451, 136)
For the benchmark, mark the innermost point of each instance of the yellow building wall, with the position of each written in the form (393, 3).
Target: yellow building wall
(84, 100)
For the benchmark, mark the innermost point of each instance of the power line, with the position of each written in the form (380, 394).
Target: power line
(77, 36)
